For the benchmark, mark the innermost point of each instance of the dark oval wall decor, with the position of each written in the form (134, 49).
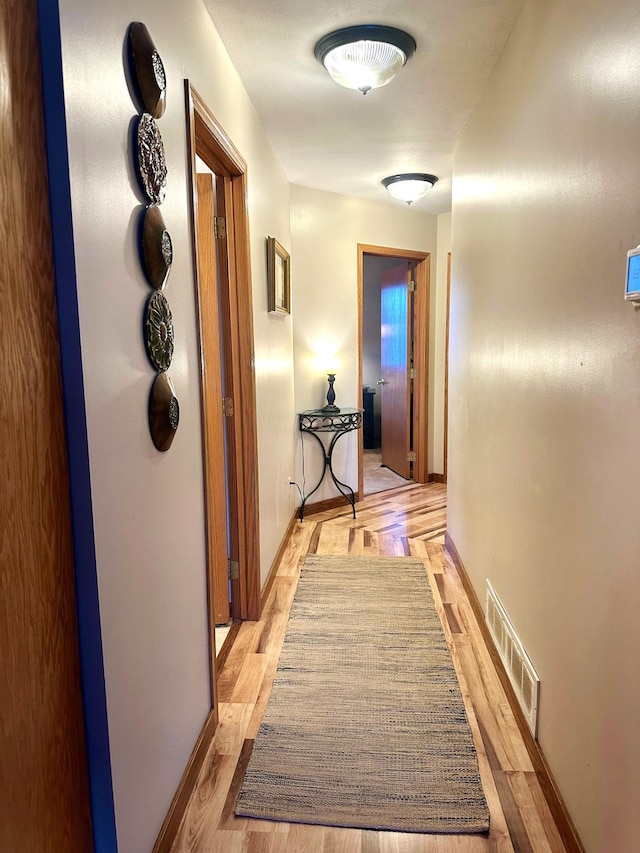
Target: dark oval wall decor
(151, 160)
(148, 69)
(157, 248)
(158, 329)
(164, 412)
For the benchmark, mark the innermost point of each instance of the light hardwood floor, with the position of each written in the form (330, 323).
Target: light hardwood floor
(406, 521)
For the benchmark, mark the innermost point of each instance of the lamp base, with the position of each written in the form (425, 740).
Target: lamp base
(329, 408)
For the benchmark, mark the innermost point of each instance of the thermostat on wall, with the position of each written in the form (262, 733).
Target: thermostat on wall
(632, 289)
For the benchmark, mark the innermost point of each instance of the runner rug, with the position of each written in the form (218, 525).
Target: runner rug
(365, 726)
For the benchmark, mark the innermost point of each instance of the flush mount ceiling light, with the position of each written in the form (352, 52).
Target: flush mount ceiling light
(365, 57)
(409, 187)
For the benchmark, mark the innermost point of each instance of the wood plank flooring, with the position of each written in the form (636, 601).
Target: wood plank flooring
(410, 520)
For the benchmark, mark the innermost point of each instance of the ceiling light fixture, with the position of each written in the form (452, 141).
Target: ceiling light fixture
(365, 57)
(410, 186)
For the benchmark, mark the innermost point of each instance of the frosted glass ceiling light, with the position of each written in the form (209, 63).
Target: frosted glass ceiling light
(409, 187)
(365, 57)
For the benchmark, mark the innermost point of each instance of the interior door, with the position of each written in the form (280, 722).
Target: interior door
(215, 465)
(395, 385)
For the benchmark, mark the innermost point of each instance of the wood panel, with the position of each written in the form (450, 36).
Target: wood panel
(245, 393)
(515, 786)
(212, 419)
(43, 767)
(395, 351)
(214, 145)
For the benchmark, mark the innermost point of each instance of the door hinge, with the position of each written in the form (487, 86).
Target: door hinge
(411, 456)
(234, 570)
(412, 286)
(227, 407)
(219, 227)
(412, 373)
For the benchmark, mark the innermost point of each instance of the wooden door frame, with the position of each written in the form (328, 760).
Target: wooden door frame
(422, 261)
(206, 134)
(446, 370)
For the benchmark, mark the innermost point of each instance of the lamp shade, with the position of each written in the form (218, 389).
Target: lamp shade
(410, 186)
(365, 57)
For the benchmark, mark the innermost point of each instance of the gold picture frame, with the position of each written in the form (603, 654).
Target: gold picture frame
(278, 278)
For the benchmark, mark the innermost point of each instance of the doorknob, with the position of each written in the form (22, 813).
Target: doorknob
(381, 382)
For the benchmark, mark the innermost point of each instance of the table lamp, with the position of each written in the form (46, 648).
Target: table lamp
(331, 408)
(326, 361)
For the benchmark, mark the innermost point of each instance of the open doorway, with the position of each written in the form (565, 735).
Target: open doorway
(393, 290)
(225, 328)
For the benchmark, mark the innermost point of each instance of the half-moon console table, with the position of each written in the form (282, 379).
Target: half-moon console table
(317, 421)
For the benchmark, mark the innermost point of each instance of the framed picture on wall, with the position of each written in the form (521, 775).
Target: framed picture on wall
(278, 278)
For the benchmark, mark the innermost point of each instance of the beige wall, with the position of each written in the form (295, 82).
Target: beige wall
(325, 231)
(544, 375)
(438, 336)
(148, 506)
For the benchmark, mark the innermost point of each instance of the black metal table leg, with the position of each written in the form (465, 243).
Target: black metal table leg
(338, 423)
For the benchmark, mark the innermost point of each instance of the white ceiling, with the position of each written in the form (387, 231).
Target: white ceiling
(336, 139)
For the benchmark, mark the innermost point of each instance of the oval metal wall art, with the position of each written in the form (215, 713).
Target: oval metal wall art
(151, 160)
(157, 248)
(158, 329)
(164, 412)
(148, 69)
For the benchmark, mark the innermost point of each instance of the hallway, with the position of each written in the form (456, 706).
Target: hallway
(409, 520)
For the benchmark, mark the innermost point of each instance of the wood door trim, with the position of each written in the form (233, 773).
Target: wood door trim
(422, 268)
(388, 252)
(446, 370)
(244, 389)
(421, 305)
(206, 132)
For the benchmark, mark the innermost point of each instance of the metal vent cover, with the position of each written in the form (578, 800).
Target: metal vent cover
(517, 663)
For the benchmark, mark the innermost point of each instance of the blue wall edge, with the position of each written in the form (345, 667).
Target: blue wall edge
(88, 608)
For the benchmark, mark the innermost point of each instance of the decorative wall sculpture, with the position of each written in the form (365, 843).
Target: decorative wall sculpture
(156, 248)
(164, 412)
(148, 70)
(159, 332)
(152, 166)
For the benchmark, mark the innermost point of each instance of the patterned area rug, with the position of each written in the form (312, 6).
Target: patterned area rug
(365, 726)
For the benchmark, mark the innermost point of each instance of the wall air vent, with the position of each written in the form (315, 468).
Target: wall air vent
(519, 668)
